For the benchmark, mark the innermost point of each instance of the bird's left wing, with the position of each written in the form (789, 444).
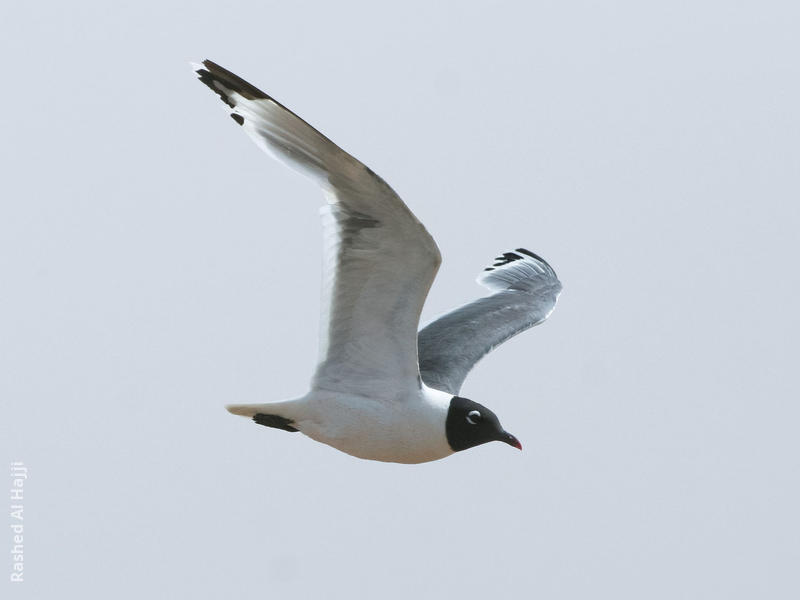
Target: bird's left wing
(526, 289)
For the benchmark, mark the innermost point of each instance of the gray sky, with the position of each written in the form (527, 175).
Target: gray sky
(156, 266)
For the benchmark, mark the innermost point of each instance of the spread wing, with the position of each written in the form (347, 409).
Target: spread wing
(379, 259)
(526, 289)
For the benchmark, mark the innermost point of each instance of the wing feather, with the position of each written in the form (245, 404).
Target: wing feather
(526, 290)
(379, 261)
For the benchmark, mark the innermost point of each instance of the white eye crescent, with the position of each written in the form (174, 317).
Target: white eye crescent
(473, 417)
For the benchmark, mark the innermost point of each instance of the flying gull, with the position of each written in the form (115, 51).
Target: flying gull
(382, 390)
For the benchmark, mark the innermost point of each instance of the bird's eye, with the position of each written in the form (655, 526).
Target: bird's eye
(473, 417)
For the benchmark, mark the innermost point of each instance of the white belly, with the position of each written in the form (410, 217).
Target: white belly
(408, 430)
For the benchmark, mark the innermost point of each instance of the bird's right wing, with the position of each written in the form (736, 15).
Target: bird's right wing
(379, 259)
(526, 289)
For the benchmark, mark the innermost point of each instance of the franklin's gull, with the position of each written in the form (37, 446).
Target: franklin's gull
(382, 391)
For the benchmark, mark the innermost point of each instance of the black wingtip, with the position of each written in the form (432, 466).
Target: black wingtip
(208, 78)
(531, 254)
(222, 82)
(507, 257)
(539, 258)
(213, 72)
(519, 254)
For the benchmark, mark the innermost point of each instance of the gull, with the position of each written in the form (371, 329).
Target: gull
(382, 390)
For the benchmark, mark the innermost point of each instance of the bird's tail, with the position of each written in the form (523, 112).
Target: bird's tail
(247, 410)
(273, 414)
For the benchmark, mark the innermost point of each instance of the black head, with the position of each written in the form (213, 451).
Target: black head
(471, 424)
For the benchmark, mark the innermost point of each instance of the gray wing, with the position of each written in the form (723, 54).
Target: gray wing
(379, 259)
(526, 290)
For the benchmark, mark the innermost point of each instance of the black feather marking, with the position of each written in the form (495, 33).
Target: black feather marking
(531, 254)
(274, 421)
(208, 79)
(233, 83)
(238, 118)
(507, 257)
(213, 72)
(540, 259)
